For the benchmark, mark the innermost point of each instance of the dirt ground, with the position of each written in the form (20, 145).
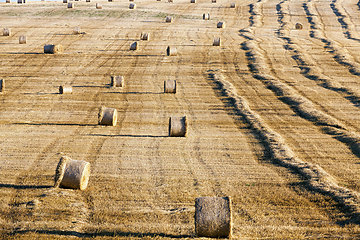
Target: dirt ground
(273, 118)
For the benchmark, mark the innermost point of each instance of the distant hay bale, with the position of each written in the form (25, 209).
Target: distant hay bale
(298, 26)
(134, 46)
(65, 1)
(7, 1)
(107, 116)
(6, 32)
(131, 0)
(192, 1)
(98, 6)
(53, 49)
(22, 39)
(168, 19)
(170, 86)
(145, 36)
(20, 1)
(132, 6)
(232, 5)
(117, 81)
(206, 16)
(77, 30)
(170, 1)
(171, 51)
(109, 0)
(213, 217)
(2, 85)
(65, 89)
(70, 5)
(213, 1)
(177, 126)
(72, 173)
(221, 25)
(87, 0)
(216, 41)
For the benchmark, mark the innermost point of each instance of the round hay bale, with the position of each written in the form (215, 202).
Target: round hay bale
(192, 1)
(70, 5)
(2, 85)
(72, 173)
(298, 26)
(170, 1)
(98, 6)
(52, 49)
(216, 41)
(20, 1)
(177, 126)
(87, 0)
(6, 32)
(22, 39)
(171, 51)
(168, 19)
(145, 36)
(132, 6)
(65, 1)
(221, 25)
(77, 30)
(65, 89)
(117, 81)
(131, 0)
(109, 0)
(7, 1)
(232, 5)
(213, 1)
(213, 217)
(134, 46)
(107, 116)
(206, 16)
(170, 86)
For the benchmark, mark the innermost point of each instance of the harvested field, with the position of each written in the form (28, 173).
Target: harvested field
(272, 118)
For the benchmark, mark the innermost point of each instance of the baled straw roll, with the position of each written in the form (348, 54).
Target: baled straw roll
(177, 126)
(107, 116)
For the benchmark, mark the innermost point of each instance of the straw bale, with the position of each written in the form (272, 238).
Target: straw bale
(232, 5)
(171, 51)
(98, 6)
(2, 85)
(170, 86)
(70, 5)
(132, 6)
(177, 126)
(107, 116)
(221, 25)
(298, 26)
(206, 16)
(22, 39)
(145, 36)
(6, 32)
(168, 19)
(117, 81)
(65, 89)
(134, 46)
(216, 41)
(52, 49)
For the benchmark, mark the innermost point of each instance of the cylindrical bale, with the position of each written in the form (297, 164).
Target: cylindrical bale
(232, 5)
(52, 49)
(65, 1)
(221, 25)
(2, 85)
(117, 81)
(177, 126)
(213, 217)
(77, 30)
(168, 19)
(22, 39)
(206, 16)
(70, 5)
(192, 1)
(72, 173)
(131, 0)
(145, 36)
(171, 51)
(98, 6)
(65, 89)
(87, 0)
(216, 41)
(107, 116)
(170, 86)
(20, 1)
(298, 26)
(109, 0)
(134, 46)
(213, 1)
(7, 1)
(132, 6)
(170, 1)
(6, 32)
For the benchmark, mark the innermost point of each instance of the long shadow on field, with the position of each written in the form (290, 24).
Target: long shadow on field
(15, 186)
(56, 124)
(128, 135)
(137, 92)
(102, 234)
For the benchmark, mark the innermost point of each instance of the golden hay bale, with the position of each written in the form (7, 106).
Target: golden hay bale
(134, 46)
(213, 1)
(7, 1)
(170, 1)
(216, 41)
(77, 30)
(22, 39)
(171, 51)
(52, 49)
(206, 16)
(177, 126)
(168, 19)
(232, 5)
(65, 1)
(117, 81)
(192, 1)
(87, 0)
(2, 85)
(221, 25)
(213, 217)
(70, 5)
(107, 116)
(132, 6)
(298, 26)
(72, 173)
(170, 86)
(98, 6)
(65, 89)
(145, 36)
(6, 32)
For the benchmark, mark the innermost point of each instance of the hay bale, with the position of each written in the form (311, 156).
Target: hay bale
(22, 39)
(216, 41)
(298, 26)
(72, 173)
(177, 126)
(168, 19)
(70, 5)
(145, 36)
(170, 1)
(206, 16)
(232, 5)
(65, 1)
(213, 1)
(117, 81)
(107, 116)
(132, 6)
(65, 89)
(220, 25)
(6, 32)
(98, 6)
(77, 30)
(213, 217)
(87, 0)
(134, 46)
(52, 49)
(2, 85)
(192, 1)
(109, 0)
(170, 86)
(171, 51)
(20, 1)
(7, 1)
(131, 0)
